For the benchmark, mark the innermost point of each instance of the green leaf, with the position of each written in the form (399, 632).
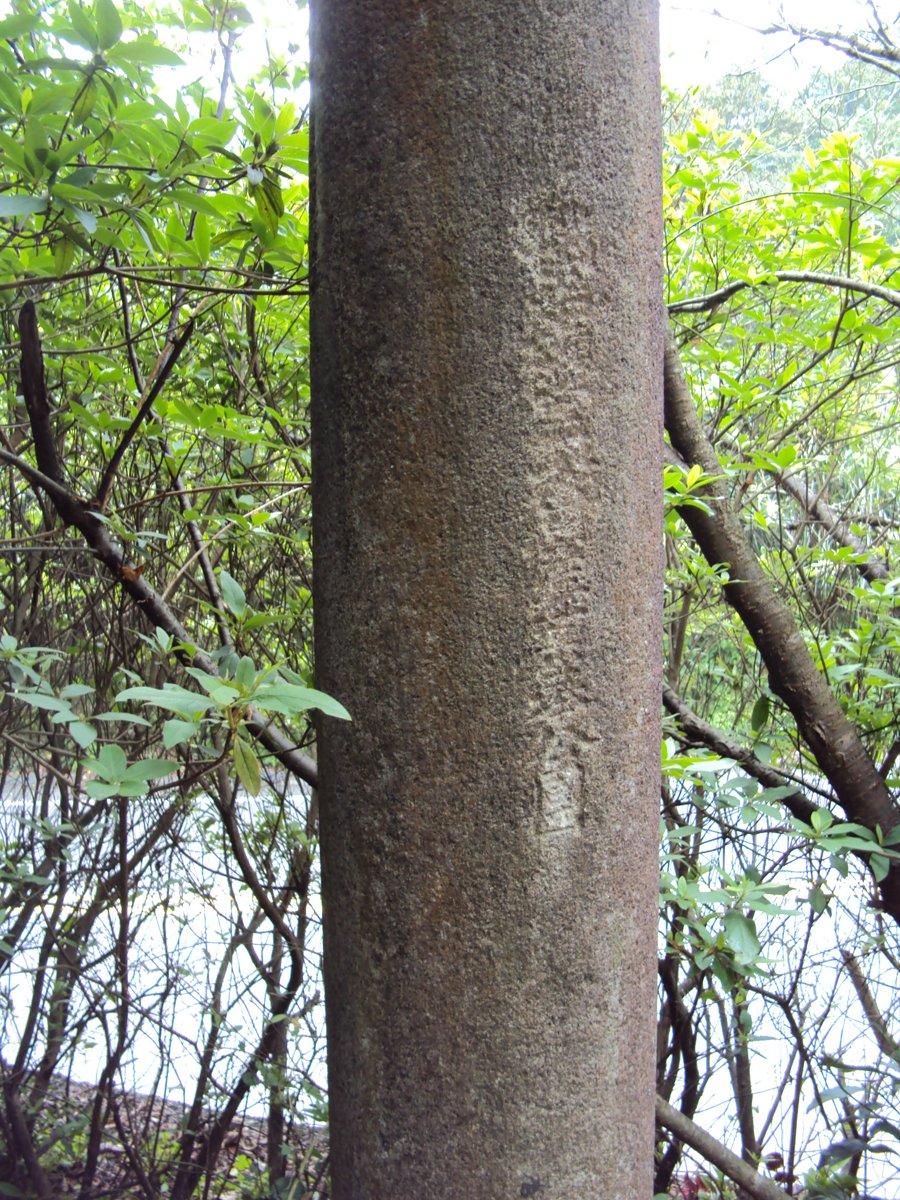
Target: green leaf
(213, 684)
(176, 733)
(63, 256)
(170, 696)
(19, 25)
(268, 199)
(694, 475)
(146, 52)
(841, 1151)
(232, 594)
(223, 694)
(740, 936)
(109, 23)
(129, 718)
(880, 865)
(286, 118)
(246, 764)
(289, 699)
(83, 733)
(245, 675)
(82, 31)
(760, 714)
(821, 820)
(20, 205)
(84, 104)
(201, 237)
(110, 764)
(46, 702)
(87, 219)
(150, 768)
(99, 790)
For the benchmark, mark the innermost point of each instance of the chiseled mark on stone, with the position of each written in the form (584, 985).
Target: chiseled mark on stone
(530, 1186)
(561, 788)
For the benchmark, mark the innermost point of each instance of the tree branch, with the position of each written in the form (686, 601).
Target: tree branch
(168, 358)
(34, 392)
(883, 53)
(714, 1152)
(886, 1043)
(860, 790)
(714, 299)
(721, 743)
(95, 533)
(819, 510)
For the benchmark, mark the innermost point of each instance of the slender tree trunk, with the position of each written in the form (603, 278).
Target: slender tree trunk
(487, 350)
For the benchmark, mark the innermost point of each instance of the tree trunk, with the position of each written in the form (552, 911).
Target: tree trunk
(487, 345)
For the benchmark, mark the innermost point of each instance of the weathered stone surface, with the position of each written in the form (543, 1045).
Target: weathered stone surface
(486, 433)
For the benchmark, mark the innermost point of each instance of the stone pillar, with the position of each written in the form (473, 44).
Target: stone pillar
(486, 371)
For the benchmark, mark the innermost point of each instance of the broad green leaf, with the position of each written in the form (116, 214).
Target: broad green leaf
(87, 219)
(760, 714)
(109, 23)
(44, 701)
(99, 790)
(694, 475)
(741, 937)
(195, 201)
(880, 865)
(164, 640)
(289, 699)
(223, 694)
(286, 119)
(821, 820)
(20, 205)
(126, 717)
(246, 765)
(63, 255)
(201, 237)
(83, 733)
(82, 31)
(145, 51)
(232, 593)
(132, 787)
(208, 682)
(245, 675)
(176, 733)
(171, 696)
(85, 102)
(150, 768)
(19, 25)
(110, 764)
(269, 201)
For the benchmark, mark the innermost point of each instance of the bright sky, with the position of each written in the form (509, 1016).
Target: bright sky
(702, 40)
(700, 47)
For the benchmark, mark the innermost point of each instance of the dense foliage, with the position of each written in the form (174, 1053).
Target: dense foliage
(158, 837)
(158, 918)
(779, 959)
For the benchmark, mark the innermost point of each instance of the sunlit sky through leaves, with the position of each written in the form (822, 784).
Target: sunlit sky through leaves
(697, 45)
(702, 40)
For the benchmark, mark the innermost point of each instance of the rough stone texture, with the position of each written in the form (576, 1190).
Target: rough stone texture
(487, 355)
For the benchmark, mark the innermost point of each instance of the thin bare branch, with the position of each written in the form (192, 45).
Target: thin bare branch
(714, 1152)
(713, 299)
